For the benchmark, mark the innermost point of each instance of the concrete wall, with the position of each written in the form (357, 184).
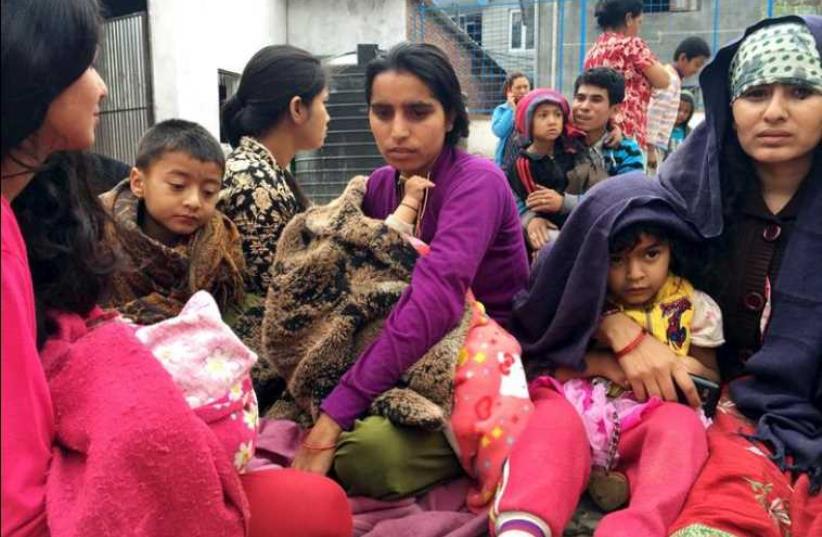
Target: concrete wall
(481, 139)
(332, 27)
(192, 39)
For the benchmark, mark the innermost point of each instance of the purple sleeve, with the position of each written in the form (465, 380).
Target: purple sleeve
(433, 304)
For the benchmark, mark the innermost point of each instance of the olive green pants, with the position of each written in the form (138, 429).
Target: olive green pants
(384, 461)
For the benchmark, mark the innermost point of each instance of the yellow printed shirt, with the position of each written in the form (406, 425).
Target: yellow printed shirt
(680, 316)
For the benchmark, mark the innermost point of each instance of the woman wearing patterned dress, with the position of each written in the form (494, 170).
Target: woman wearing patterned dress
(620, 48)
(279, 109)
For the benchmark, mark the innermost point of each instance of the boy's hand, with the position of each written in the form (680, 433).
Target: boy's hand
(544, 200)
(613, 138)
(652, 158)
(415, 187)
(537, 232)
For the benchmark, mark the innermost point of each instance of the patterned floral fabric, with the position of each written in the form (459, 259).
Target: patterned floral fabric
(211, 367)
(741, 492)
(491, 404)
(256, 197)
(630, 56)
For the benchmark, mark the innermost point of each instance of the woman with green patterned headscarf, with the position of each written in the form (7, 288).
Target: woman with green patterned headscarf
(750, 180)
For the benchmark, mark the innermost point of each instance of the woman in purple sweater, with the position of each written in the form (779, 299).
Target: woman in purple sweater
(469, 218)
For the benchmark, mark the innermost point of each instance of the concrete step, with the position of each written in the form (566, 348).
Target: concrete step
(336, 149)
(345, 123)
(349, 81)
(360, 135)
(347, 96)
(358, 109)
(339, 163)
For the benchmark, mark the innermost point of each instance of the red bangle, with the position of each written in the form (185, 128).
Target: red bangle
(630, 346)
(316, 447)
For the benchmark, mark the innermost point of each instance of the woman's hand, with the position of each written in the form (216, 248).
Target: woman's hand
(316, 453)
(512, 100)
(603, 364)
(537, 232)
(544, 200)
(695, 367)
(651, 368)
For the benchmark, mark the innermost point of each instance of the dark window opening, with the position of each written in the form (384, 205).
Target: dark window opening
(472, 25)
(118, 8)
(228, 84)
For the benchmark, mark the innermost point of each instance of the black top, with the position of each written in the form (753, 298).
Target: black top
(759, 241)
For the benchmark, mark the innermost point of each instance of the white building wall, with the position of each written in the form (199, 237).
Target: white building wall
(192, 39)
(332, 27)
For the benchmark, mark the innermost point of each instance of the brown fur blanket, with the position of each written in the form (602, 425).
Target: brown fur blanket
(336, 276)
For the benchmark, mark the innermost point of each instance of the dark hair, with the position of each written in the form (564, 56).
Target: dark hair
(64, 224)
(611, 13)
(46, 46)
(431, 65)
(178, 135)
(606, 78)
(273, 76)
(683, 258)
(106, 172)
(509, 81)
(737, 173)
(692, 47)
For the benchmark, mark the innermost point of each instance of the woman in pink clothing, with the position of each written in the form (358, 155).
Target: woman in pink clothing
(620, 48)
(58, 477)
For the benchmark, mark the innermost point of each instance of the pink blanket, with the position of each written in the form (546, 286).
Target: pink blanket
(439, 513)
(131, 458)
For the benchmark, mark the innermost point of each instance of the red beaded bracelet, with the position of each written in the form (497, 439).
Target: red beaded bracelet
(631, 346)
(315, 447)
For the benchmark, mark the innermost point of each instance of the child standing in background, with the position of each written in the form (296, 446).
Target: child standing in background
(689, 57)
(174, 240)
(683, 117)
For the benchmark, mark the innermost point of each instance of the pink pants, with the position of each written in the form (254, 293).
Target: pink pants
(549, 466)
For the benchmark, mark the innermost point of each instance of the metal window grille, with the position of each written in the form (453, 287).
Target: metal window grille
(125, 64)
(471, 24)
(656, 6)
